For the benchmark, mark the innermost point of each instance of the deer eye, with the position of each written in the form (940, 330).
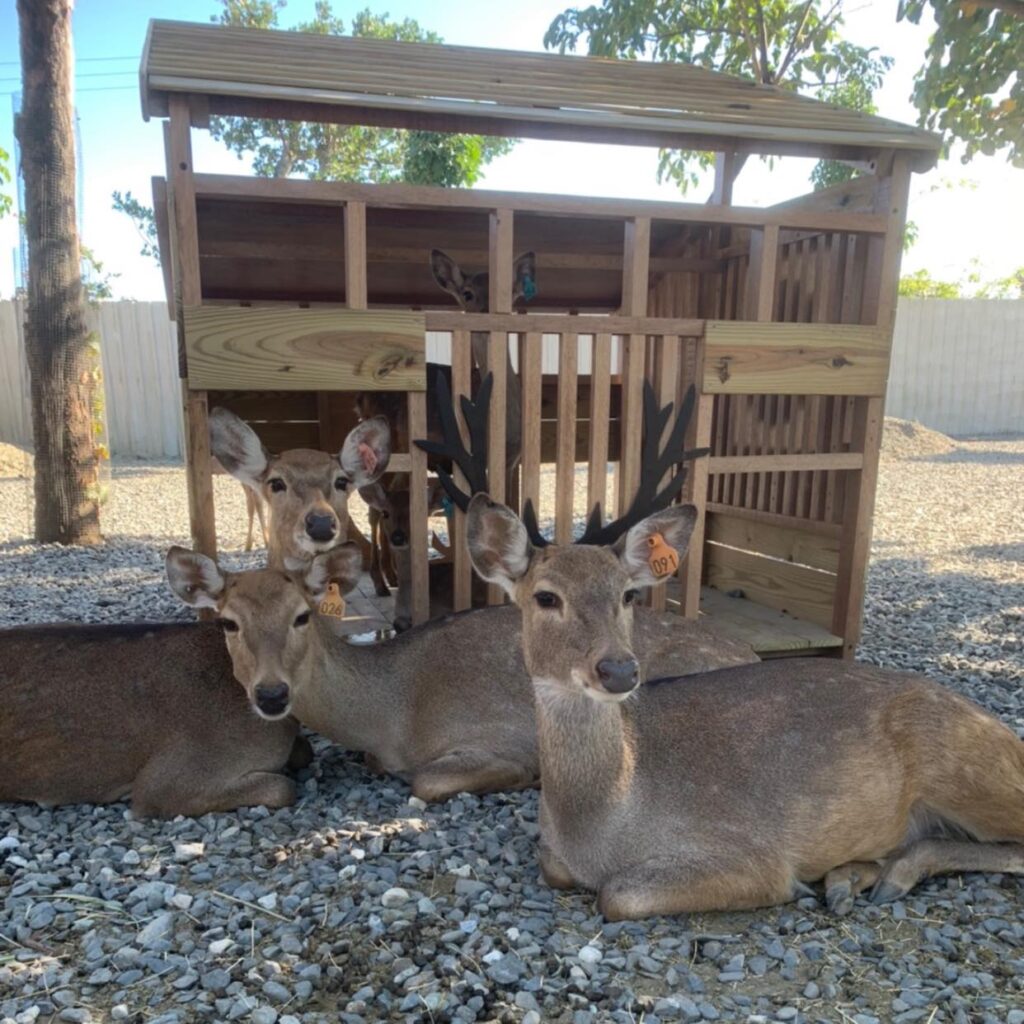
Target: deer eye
(228, 625)
(277, 485)
(630, 596)
(302, 619)
(545, 599)
(341, 484)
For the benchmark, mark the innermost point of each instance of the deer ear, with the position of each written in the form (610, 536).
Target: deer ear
(366, 451)
(342, 565)
(195, 578)
(447, 272)
(674, 525)
(499, 546)
(237, 448)
(524, 277)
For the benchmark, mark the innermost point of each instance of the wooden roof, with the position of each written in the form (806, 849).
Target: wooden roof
(304, 76)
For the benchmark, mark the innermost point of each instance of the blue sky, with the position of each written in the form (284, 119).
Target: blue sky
(983, 221)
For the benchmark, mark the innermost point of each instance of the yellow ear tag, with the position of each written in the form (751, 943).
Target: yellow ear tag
(333, 603)
(663, 558)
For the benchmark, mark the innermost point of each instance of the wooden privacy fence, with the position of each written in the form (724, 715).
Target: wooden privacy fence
(140, 369)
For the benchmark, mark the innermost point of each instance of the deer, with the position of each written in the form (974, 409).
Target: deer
(389, 499)
(306, 491)
(735, 788)
(445, 706)
(147, 712)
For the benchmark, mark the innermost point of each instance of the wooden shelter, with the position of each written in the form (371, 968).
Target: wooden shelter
(291, 294)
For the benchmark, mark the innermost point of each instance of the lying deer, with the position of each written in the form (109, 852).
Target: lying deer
(306, 491)
(446, 706)
(733, 789)
(390, 498)
(146, 712)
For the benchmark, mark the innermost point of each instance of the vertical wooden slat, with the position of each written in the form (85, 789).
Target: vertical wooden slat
(500, 301)
(698, 436)
(600, 415)
(565, 452)
(667, 360)
(185, 228)
(764, 251)
(530, 374)
(355, 255)
(462, 373)
(635, 272)
(879, 307)
(419, 569)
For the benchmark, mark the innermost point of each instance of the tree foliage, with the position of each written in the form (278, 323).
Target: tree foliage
(793, 45)
(974, 285)
(349, 153)
(143, 218)
(971, 86)
(5, 177)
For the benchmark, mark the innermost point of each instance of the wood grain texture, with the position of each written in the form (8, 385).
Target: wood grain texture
(600, 416)
(418, 567)
(355, 255)
(412, 81)
(805, 359)
(462, 375)
(790, 543)
(769, 463)
(767, 630)
(532, 401)
(802, 592)
(305, 349)
(565, 464)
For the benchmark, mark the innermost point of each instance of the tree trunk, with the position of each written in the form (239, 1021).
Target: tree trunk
(56, 336)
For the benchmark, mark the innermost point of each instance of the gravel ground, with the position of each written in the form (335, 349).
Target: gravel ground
(361, 904)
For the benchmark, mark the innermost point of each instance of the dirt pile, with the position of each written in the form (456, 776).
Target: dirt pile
(905, 439)
(15, 461)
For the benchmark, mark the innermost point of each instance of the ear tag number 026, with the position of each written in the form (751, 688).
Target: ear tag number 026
(662, 557)
(333, 603)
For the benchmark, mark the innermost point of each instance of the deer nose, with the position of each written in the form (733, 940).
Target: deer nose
(398, 538)
(618, 675)
(320, 527)
(273, 698)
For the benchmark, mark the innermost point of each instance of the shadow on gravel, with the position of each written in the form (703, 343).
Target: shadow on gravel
(986, 456)
(1001, 552)
(953, 624)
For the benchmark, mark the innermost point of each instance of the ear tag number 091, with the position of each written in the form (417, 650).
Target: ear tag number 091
(662, 557)
(333, 603)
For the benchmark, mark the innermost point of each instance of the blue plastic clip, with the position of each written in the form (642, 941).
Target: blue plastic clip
(447, 506)
(529, 288)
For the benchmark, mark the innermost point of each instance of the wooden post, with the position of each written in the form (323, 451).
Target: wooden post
(881, 286)
(565, 452)
(691, 570)
(666, 380)
(530, 380)
(178, 143)
(419, 568)
(635, 273)
(500, 301)
(462, 374)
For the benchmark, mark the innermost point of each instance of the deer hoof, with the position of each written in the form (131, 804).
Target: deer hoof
(885, 892)
(839, 898)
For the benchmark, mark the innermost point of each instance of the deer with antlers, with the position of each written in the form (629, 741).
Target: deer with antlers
(389, 500)
(447, 705)
(735, 788)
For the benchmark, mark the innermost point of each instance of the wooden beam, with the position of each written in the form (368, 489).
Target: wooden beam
(764, 252)
(788, 358)
(419, 568)
(355, 255)
(290, 190)
(305, 349)
(557, 323)
(635, 283)
(784, 463)
(462, 376)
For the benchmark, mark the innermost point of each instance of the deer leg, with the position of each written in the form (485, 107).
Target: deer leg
(356, 536)
(929, 857)
(164, 791)
(846, 882)
(301, 755)
(376, 574)
(655, 887)
(553, 869)
(470, 771)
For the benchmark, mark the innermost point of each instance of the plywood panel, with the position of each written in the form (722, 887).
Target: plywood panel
(776, 358)
(305, 349)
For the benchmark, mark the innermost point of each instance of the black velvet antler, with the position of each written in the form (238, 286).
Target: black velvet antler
(654, 464)
(473, 463)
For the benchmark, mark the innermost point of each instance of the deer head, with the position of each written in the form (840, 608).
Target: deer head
(471, 291)
(576, 600)
(266, 616)
(306, 491)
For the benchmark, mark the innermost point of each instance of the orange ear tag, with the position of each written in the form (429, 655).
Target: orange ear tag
(333, 603)
(663, 558)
